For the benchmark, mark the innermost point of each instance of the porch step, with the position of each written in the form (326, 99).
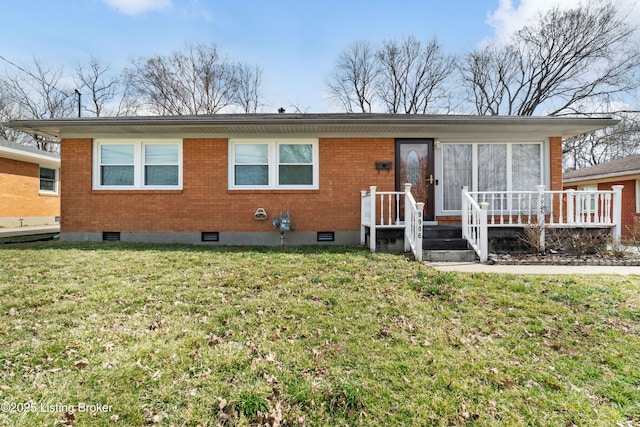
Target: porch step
(443, 237)
(467, 255)
(444, 244)
(442, 231)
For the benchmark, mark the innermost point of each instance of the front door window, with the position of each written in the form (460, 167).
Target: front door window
(414, 162)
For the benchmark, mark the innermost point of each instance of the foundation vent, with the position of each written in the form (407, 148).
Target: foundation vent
(111, 236)
(326, 236)
(210, 236)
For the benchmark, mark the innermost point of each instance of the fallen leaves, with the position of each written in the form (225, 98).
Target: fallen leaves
(81, 364)
(153, 417)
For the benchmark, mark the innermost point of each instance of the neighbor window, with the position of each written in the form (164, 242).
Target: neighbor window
(489, 167)
(588, 201)
(147, 164)
(281, 164)
(48, 180)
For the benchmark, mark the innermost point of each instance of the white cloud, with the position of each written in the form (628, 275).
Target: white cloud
(508, 18)
(136, 7)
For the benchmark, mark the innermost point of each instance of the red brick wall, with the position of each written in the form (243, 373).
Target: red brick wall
(206, 204)
(555, 163)
(20, 191)
(630, 219)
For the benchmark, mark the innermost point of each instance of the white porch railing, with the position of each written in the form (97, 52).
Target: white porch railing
(568, 208)
(392, 210)
(474, 225)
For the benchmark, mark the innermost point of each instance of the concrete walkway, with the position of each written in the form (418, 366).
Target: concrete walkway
(471, 267)
(29, 230)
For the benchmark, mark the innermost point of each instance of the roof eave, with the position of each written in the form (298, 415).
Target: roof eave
(612, 175)
(25, 156)
(320, 124)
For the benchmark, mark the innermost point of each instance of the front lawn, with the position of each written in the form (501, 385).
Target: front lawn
(133, 335)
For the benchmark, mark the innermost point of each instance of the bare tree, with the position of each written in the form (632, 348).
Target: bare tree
(352, 86)
(604, 145)
(489, 73)
(38, 92)
(196, 80)
(564, 58)
(6, 113)
(406, 76)
(412, 75)
(98, 83)
(249, 80)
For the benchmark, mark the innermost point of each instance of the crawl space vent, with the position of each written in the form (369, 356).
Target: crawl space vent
(111, 236)
(210, 236)
(326, 236)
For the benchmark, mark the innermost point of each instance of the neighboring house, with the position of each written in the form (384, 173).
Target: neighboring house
(624, 171)
(228, 178)
(29, 185)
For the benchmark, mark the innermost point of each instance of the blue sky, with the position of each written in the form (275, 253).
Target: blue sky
(295, 42)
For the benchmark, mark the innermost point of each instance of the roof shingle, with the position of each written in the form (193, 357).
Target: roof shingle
(624, 166)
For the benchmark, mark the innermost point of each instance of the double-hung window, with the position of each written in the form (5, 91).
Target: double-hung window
(48, 180)
(161, 165)
(147, 164)
(273, 164)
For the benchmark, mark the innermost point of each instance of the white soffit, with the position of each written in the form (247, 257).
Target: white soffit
(317, 125)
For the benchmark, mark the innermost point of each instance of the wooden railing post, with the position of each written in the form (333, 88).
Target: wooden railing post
(571, 197)
(465, 213)
(483, 232)
(418, 232)
(363, 220)
(541, 214)
(372, 228)
(408, 217)
(617, 214)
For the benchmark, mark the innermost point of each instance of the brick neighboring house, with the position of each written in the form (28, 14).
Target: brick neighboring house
(624, 171)
(226, 178)
(29, 186)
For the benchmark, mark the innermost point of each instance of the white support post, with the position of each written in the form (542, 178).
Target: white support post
(363, 227)
(465, 213)
(372, 228)
(418, 237)
(407, 218)
(617, 214)
(541, 214)
(571, 197)
(483, 232)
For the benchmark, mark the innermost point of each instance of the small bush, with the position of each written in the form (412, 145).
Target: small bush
(585, 241)
(530, 237)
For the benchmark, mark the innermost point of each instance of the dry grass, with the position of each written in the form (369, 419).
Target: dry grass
(182, 335)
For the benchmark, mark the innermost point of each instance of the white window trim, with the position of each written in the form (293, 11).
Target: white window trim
(56, 182)
(474, 168)
(273, 163)
(138, 163)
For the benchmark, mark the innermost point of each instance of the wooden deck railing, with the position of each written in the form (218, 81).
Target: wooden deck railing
(568, 208)
(391, 210)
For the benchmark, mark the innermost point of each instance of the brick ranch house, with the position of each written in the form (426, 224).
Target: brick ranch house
(228, 178)
(624, 171)
(29, 187)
